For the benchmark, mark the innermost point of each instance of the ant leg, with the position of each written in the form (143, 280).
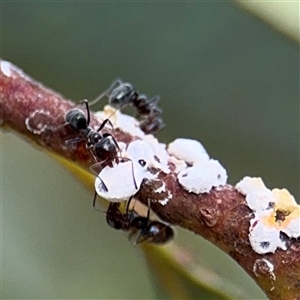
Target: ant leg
(116, 144)
(108, 121)
(60, 127)
(131, 235)
(132, 170)
(89, 148)
(94, 201)
(104, 123)
(141, 237)
(74, 141)
(128, 204)
(153, 100)
(148, 212)
(94, 168)
(87, 106)
(99, 97)
(118, 81)
(94, 204)
(107, 92)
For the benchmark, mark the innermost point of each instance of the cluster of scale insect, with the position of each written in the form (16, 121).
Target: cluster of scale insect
(106, 152)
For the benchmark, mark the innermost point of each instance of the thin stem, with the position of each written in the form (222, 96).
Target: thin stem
(221, 216)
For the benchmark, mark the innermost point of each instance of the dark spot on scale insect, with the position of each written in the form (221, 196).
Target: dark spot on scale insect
(142, 162)
(265, 245)
(156, 158)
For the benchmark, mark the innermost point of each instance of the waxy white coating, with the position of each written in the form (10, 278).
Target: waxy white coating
(140, 150)
(264, 239)
(188, 150)
(200, 176)
(5, 67)
(160, 153)
(263, 266)
(125, 122)
(203, 176)
(119, 182)
(265, 228)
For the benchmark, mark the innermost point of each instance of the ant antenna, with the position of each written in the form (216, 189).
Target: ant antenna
(107, 92)
(139, 238)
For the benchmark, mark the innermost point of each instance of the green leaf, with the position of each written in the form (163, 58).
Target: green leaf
(281, 15)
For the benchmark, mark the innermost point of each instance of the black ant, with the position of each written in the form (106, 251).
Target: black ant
(103, 148)
(121, 94)
(142, 227)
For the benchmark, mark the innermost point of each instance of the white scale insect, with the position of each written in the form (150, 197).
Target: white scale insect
(121, 183)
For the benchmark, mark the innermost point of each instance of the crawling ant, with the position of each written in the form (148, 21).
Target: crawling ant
(143, 228)
(100, 146)
(103, 147)
(121, 94)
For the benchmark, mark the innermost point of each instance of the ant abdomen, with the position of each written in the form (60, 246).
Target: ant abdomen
(152, 124)
(76, 119)
(114, 217)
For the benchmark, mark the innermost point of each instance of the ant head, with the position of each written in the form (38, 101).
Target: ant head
(122, 95)
(76, 119)
(106, 148)
(115, 218)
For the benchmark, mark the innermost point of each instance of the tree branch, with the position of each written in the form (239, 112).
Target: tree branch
(222, 216)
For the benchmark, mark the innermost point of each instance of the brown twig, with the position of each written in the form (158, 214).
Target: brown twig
(221, 216)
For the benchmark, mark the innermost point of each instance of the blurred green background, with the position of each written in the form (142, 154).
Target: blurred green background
(224, 77)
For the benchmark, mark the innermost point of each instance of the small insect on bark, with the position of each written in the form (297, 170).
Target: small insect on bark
(121, 94)
(142, 228)
(102, 146)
